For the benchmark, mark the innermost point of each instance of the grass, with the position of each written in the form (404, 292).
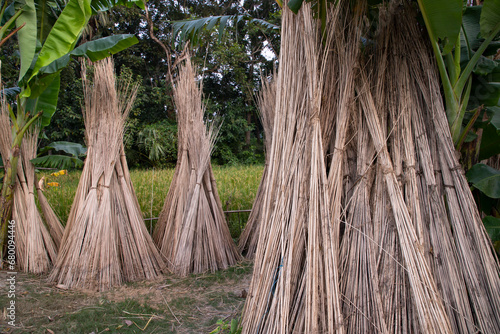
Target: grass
(219, 277)
(61, 197)
(237, 186)
(170, 305)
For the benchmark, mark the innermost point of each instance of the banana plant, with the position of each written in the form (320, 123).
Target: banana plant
(74, 153)
(9, 23)
(190, 29)
(445, 26)
(47, 41)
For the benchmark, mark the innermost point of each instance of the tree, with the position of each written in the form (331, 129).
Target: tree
(229, 44)
(231, 68)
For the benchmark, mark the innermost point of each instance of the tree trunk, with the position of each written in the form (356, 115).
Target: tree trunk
(249, 102)
(248, 132)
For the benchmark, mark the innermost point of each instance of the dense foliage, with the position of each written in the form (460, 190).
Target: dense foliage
(231, 69)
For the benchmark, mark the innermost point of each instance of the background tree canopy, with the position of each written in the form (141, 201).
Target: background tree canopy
(231, 69)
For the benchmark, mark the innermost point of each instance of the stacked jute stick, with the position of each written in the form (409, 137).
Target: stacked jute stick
(295, 287)
(448, 229)
(409, 253)
(192, 232)
(249, 237)
(38, 235)
(106, 241)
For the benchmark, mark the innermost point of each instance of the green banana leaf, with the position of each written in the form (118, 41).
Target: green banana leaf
(10, 92)
(60, 161)
(39, 84)
(9, 12)
(47, 13)
(27, 36)
(443, 20)
(94, 50)
(471, 38)
(486, 179)
(57, 161)
(295, 5)
(64, 34)
(486, 66)
(490, 17)
(492, 225)
(46, 101)
(67, 147)
(490, 143)
(190, 29)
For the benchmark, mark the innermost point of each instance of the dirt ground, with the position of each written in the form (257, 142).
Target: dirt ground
(195, 304)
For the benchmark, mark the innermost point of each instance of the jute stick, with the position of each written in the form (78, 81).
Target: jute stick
(106, 241)
(192, 232)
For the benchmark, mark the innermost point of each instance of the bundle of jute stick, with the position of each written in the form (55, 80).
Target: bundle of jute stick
(106, 241)
(266, 98)
(38, 235)
(470, 245)
(295, 286)
(366, 295)
(443, 220)
(414, 256)
(192, 232)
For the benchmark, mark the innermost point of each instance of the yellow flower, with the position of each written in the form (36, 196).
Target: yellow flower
(53, 184)
(59, 173)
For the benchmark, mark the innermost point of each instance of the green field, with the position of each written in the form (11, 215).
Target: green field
(237, 187)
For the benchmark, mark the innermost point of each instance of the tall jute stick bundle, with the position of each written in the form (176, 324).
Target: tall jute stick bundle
(398, 306)
(250, 235)
(359, 278)
(414, 255)
(295, 286)
(37, 238)
(106, 241)
(192, 232)
(428, 303)
(350, 201)
(454, 213)
(430, 243)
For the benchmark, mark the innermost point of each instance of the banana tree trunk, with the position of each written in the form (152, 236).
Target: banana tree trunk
(7, 197)
(10, 179)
